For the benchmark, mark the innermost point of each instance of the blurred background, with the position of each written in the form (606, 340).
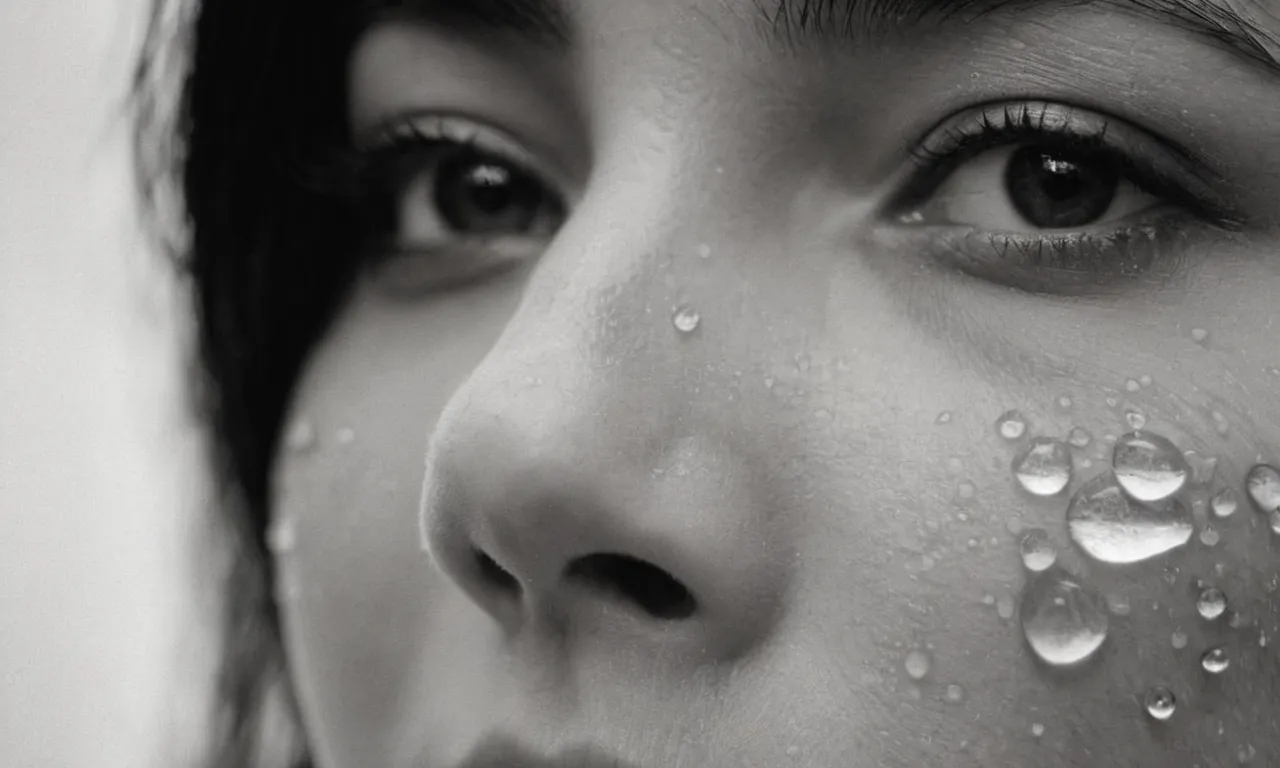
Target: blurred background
(102, 645)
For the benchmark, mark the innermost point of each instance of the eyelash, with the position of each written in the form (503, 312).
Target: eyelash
(1019, 259)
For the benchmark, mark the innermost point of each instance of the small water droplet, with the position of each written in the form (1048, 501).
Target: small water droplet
(1209, 536)
(1246, 754)
(704, 251)
(1212, 603)
(1179, 639)
(1225, 503)
(988, 599)
(1011, 425)
(1017, 44)
(1215, 660)
(1149, 467)
(1080, 437)
(914, 217)
(793, 751)
(345, 436)
(1200, 335)
(1145, 380)
(1132, 385)
(1263, 484)
(1220, 423)
(281, 536)
(1273, 519)
(686, 319)
(1043, 467)
(917, 664)
(1109, 527)
(1065, 402)
(1038, 552)
(1037, 729)
(1014, 526)
(955, 693)
(1135, 420)
(967, 490)
(1063, 620)
(944, 417)
(1004, 607)
(1160, 703)
(301, 437)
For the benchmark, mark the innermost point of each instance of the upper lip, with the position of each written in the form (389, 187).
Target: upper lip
(501, 751)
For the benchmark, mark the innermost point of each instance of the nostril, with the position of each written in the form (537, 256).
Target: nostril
(495, 574)
(657, 592)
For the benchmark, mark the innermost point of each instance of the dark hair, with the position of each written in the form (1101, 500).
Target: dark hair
(231, 100)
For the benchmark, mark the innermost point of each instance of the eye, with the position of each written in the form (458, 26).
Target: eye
(450, 203)
(1032, 187)
(1049, 198)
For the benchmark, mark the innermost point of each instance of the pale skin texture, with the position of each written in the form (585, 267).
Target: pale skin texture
(783, 460)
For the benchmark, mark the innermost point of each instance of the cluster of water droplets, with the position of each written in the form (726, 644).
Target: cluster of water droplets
(1131, 512)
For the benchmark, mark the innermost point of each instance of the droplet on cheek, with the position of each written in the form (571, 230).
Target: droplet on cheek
(1011, 425)
(1215, 661)
(1038, 552)
(917, 664)
(1225, 503)
(1178, 640)
(1149, 467)
(686, 319)
(1109, 527)
(1263, 484)
(1160, 703)
(1211, 604)
(1043, 468)
(1063, 620)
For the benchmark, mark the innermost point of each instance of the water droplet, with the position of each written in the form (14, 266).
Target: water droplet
(1018, 45)
(1011, 425)
(1225, 503)
(1063, 620)
(345, 436)
(1038, 552)
(1080, 437)
(1109, 527)
(1220, 423)
(686, 319)
(281, 536)
(1043, 467)
(1149, 467)
(944, 417)
(301, 437)
(1178, 639)
(917, 664)
(1135, 420)
(1065, 402)
(1212, 603)
(1273, 519)
(1200, 335)
(1132, 385)
(1209, 536)
(955, 693)
(793, 751)
(988, 599)
(914, 217)
(1246, 754)
(1215, 660)
(1145, 380)
(1119, 605)
(704, 251)
(1037, 729)
(1004, 607)
(967, 490)
(1263, 483)
(1160, 703)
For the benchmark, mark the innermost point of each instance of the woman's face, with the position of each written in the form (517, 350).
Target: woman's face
(667, 428)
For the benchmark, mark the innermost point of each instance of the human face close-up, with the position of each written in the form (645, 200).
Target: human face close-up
(734, 386)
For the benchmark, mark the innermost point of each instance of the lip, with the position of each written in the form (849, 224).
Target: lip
(501, 751)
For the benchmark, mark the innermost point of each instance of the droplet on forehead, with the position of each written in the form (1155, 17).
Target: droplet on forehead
(686, 319)
(1149, 467)
(1063, 620)
(1160, 703)
(1263, 484)
(1043, 468)
(1111, 528)
(1011, 425)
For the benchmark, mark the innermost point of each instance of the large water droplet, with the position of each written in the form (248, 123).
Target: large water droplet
(1149, 467)
(1212, 603)
(1263, 483)
(686, 319)
(1064, 621)
(1038, 552)
(1043, 467)
(1160, 702)
(1225, 503)
(1215, 660)
(1011, 425)
(1109, 527)
(917, 664)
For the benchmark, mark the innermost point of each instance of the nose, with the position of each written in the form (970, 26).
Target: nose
(578, 476)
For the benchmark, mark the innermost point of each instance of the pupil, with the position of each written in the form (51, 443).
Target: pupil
(480, 195)
(1056, 189)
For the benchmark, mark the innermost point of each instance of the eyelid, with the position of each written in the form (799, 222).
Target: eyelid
(1155, 164)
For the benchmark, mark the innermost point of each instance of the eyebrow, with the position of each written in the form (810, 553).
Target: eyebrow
(540, 21)
(798, 21)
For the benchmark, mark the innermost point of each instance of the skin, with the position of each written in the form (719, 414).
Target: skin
(784, 460)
